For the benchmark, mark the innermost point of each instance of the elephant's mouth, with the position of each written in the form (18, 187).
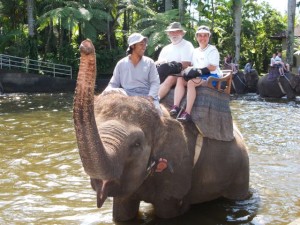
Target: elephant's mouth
(104, 189)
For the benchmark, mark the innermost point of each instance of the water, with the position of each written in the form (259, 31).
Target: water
(42, 180)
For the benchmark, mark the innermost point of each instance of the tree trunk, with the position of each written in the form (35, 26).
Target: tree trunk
(168, 5)
(213, 15)
(108, 34)
(237, 10)
(181, 10)
(30, 17)
(290, 32)
(32, 40)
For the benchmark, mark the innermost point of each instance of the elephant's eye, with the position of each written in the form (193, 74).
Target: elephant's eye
(137, 140)
(137, 144)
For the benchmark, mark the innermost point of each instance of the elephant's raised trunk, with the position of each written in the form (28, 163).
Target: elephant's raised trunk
(94, 159)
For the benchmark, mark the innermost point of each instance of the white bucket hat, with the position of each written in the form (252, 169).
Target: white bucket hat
(136, 38)
(203, 30)
(175, 26)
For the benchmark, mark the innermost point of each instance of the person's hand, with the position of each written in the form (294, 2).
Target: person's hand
(190, 73)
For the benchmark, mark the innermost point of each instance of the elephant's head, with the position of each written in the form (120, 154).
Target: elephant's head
(127, 136)
(238, 83)
(295, 83)
(120, 137)
(251, 80)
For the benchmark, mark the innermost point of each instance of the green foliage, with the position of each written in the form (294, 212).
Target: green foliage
(106, 61)
(62, 25)
(154, 28)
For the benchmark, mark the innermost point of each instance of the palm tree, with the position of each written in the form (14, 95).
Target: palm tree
(168, 5)
(32, 41)
(237, 11)
(181, 10)
(290, 31)
(30, 17)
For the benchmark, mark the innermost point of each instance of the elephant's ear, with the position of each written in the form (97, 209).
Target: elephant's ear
(295, 82)
(172, 145)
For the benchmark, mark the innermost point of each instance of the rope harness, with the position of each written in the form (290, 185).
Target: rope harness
(233, 84)
(280, 85)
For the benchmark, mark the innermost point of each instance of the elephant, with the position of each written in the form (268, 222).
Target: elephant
(132, 153)
(1, 89)
(243, 83)
(251, 80)
(276, 86)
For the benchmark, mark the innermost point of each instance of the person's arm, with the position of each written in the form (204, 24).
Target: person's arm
(161, 57)
(213, 60)
(187, 54)
(115, 79)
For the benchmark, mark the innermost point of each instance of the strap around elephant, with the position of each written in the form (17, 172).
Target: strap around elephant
(280, 86)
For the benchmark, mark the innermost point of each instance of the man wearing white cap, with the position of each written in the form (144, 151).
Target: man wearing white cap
(179, 50)
(205, 63)
(136, 74)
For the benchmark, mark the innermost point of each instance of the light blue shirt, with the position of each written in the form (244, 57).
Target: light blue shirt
(139, 80)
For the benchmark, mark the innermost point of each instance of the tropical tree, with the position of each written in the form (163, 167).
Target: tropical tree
(59, 26)
(237, 12)
(290, 31)
(32, 39)
(168, 5)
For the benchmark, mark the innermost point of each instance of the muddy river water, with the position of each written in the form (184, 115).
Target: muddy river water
(42, 180)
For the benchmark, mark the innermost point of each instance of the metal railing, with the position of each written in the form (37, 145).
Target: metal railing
(35, 66)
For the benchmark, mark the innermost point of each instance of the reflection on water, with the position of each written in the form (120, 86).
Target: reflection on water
(42, 180)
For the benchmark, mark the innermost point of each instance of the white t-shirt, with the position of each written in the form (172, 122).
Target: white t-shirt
(272, 62)
(208, 56)
(180, 52)
(278, 59)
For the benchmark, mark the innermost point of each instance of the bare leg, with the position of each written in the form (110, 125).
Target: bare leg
(287, 67)
(179, 91)
(166, 86)
(281, 71)
(191, 93)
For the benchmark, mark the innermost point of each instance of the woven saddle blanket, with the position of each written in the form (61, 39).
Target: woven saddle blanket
(211, 113)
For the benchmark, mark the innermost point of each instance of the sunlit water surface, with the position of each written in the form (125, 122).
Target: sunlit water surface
(42, 180)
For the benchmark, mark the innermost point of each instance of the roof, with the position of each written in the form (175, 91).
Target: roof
(283, 34)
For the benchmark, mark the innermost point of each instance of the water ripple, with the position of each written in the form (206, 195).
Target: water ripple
(43, 182)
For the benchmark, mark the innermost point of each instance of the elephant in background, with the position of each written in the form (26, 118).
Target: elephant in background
(276, 86)
(133, 154)
(1, 89)
(251, 80)
(243, 83)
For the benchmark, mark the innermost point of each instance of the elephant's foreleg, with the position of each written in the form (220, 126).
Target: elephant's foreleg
(239, 188)
(125, 209)
(170, 208)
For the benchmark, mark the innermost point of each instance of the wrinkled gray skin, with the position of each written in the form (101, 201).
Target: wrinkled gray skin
(119, 137)
(290, 84)
(251, 80)
(1, 89)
